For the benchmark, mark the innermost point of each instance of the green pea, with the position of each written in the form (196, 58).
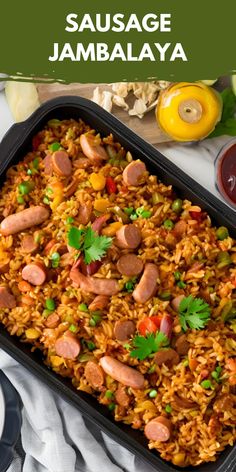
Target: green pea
(168, 224)
(153, 393)
(95, 320)
(73, 328)
(50, 304)
(109, 394)
(223, 259)
(70, 220)
(55, 258)
(91, 345)
(25, 187)
(177, 205)
(20, 200)
(83, 307)
(54, 146)
(206, 384)
(112, 406)
(222, 233)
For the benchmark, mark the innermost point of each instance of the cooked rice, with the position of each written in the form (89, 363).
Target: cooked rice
(200, 433)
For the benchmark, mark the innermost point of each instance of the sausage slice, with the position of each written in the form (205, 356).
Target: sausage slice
(168, 357)
(122, 373)
(133, 173)
(147, 285)
(99, 303)
(48, 164)
(158, 429)
(85, 212)
(94, 374)
(130, 265)
(67, 346)
(34, 273)
(61, 163)
(28, 244)
(94, 152)
(122, 398)
(94, 285)
(35, 215)
(52, 321)
(128, 237)
(124, 329)
(7, 300)
(182, 345)
(180, 229)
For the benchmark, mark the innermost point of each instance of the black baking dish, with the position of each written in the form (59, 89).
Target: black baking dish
(14, 146)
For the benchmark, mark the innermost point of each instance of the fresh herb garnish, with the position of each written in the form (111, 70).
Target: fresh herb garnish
(149, 344)
(92, 245)
(227, 124)
(194, 313)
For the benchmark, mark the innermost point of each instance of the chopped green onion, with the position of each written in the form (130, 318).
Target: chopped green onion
(29, 172)
(168, 409)
(152, 369)
(112, 406)
(55, 258)
(177, 205)
(73, 328)
(83, 307)
(36, 163)
(46, 313)
(50, 304)
(91, 345)
(177, 275)
(222, 233)
(129, 210)
(223, 259)
(20, 200)
(49, 190)
(133, 217)
(25, 187)
(152, 393)
(127, 346)
(54, 146)
(168, 224)
(70, 220)
(206, 384)
(95, 320)
(166, 295)
(109, 394)
(46, 200)
(181, 284)
(157, 198)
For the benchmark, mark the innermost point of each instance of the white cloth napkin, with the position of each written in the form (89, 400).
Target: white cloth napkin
(55, 436)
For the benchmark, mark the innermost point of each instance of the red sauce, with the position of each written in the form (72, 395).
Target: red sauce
(226, 174)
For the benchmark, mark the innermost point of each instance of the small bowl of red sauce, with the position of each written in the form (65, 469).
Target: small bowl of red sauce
(225, 172)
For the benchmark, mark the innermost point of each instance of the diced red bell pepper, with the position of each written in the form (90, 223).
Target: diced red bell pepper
(36, 141)
(197, 215)
(111, 185)
(150, 324)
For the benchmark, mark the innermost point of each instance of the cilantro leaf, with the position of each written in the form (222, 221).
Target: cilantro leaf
(97, 248)
(227, 124)
(147, 345)
(75, 237)
(194, 313)
(89, 242)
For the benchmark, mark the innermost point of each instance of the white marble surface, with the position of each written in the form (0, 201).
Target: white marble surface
(2, 411)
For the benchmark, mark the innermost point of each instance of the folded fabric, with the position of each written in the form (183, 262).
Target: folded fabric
(55, 437)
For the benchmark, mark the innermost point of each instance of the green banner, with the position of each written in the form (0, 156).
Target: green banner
(80, 41)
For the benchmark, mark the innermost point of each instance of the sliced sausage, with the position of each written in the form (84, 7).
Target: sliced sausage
(94, 374)
(166, 325)
(169, 357)
(52, 321)
(94, 152)
(130, 265)
(67, 259)
(71, 188)
(28, 244)
(122, 397)
(158, 429)
(83, 163)
(133, 173)
(89, 269)
(35, 215)
(182, 345)
(94, 285)
(99, 303)
(84, 213)
(50, 244)
(67, 346)
(7, 300)
(128, 237)
(147, 285)
(176, 302)
(48, 164)
(100, 222)
(34, 273)
(180, 229)
(124, 329)
(61, 163)
(122, 373)
(184, 402)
